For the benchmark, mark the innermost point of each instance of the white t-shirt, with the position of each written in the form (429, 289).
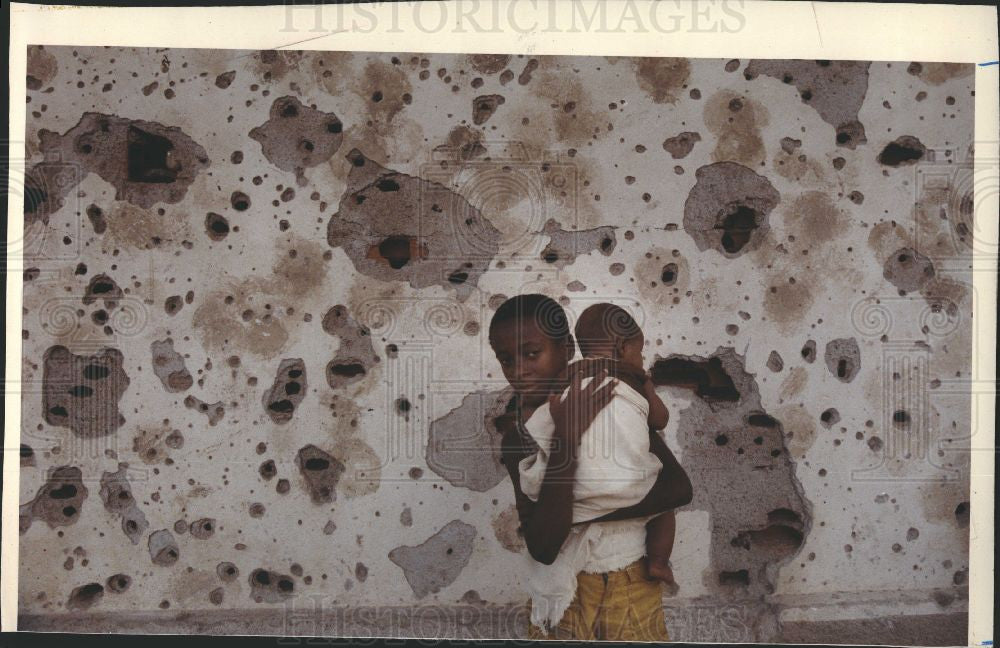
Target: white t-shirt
(615, 467)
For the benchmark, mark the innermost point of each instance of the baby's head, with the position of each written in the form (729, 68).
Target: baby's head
(530, 336)
(608, 331)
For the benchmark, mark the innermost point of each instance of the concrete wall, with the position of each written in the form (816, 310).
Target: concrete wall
(258, 284)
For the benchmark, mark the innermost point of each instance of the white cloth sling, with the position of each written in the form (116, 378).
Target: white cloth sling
(615, 469)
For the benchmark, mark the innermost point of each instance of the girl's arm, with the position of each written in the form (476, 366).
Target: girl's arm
(546, 523)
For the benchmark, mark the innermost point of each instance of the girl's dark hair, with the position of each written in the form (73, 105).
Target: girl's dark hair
(545, 312)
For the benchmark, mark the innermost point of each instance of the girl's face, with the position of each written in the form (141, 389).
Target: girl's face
(532, 362)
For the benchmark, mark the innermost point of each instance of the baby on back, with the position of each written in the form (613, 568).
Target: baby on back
(615, 467)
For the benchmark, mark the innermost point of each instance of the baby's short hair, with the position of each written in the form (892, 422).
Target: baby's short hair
(544, 312)
(601, 325)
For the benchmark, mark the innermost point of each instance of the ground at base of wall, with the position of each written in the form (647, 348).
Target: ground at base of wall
(480, 622)
(912, 630)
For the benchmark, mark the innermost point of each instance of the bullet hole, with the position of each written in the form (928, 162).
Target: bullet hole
(227, 572)
(843, 358)
(103, 287)
(483, 107)
(962, 515)
(896, 547)
(762, 420)
(163, 550)
(738, 578)
(240, 201)
(256, 510)
(349, 370)
(912, 534)
(902, 151)
(203, 528)
(707, 377)
(721, 440)
(488, 63)
(149, 157)
(668, 276)
(829, 417)
(416, 473)
(270, 587)
(402, 406)
(908, 270)
(225, 79)
(94, 213)
(267, 469)
(361, 572)
(809, 351)
(321, 472)
(85, 596)
(397, 250)
(27, 455)
(774, 362)
(216, 596)
(287, 390)
(901, 418)
(216, 226)
(680, 145)
(458, 277)
(875, 443)
(118, 583)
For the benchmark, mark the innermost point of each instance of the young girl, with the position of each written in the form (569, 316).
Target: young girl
(614, 596)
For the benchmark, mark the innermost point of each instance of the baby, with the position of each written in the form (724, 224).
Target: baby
(605, 331)
(615, 467)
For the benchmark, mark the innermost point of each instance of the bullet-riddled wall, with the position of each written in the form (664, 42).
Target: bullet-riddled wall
(257, 287)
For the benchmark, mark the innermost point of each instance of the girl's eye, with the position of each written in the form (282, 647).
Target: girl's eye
(532, 354)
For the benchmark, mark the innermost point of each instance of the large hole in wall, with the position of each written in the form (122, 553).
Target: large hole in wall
(149, 157)
(706, 377)
(737, 228)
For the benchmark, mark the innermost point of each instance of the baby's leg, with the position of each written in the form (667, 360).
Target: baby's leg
(659, 544)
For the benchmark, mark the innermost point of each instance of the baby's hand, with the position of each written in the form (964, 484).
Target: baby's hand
(660, 570)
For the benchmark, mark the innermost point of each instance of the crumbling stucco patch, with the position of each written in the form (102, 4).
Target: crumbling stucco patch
(725, 432)
(116, 493)
(728, 208)
(58, 501)
(836, 89)
(82, 392)
(436, 563)
(463, 446)
(565, 245)
(397, 227)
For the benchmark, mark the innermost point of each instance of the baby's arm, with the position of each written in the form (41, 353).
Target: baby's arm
(658, 413)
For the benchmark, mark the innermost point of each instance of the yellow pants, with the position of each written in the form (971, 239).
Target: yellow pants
(622, 605)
